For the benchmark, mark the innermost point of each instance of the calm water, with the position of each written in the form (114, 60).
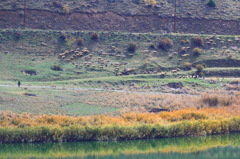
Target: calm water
(211, 147)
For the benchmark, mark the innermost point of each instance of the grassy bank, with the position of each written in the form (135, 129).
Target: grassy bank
(16, 128)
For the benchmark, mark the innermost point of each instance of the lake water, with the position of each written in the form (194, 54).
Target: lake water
(210, 147)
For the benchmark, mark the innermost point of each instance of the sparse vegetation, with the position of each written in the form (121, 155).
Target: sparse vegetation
(30, 71)
(63, 37)
(165, 44)
(132, 46)
(95, 36)
(211, 3)
(188, 65)
(198, 41)
(66, 8)
(199, 68)
(80, 42)
(197, 51)
(56, 68)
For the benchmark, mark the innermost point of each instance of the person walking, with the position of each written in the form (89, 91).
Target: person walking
(19, 83)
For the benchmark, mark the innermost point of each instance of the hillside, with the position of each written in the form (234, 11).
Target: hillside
(54, 40)
(191, 16)
(31, 54)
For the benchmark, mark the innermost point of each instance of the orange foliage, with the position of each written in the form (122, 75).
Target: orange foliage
(26, 119)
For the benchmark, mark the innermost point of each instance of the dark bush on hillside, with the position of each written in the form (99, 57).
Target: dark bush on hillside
(211, 3)
(17, 36)
(56, 68)
(30, 71)
(199, 67)
(165, 44)
(132, 47)
(152, 46)
(197, 51)
(197, 41)
(63, 37)
(57, 4)
(80, 42)
(95, 36)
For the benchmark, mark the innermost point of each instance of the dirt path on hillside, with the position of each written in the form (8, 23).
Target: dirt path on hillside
(89, 89)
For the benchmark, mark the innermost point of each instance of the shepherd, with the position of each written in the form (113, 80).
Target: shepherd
(19, 83)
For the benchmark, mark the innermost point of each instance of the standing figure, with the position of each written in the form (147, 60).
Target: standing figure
(19, 83)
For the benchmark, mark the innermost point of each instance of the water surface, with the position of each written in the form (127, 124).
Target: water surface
(214, 147)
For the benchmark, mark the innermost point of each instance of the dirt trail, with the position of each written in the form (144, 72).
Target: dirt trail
(88, 89)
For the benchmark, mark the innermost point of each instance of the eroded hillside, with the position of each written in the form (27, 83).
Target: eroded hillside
(188, 16)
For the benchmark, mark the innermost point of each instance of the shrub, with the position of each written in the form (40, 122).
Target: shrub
(30, 71)
(56, 68)
(95, 36)
(132, 47)
(188, 65)
(152, 46)
(211, 3)
(66, 9)
(165, 44)
(183, 41)
(80, 42)
(63, 37)
(197, 51)
(197, 41)
(199, 67)
(17, 36)
(57, 4)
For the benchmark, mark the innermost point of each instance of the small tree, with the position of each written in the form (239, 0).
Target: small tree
(211, 3)
(199, 68)
(95, 36)
(132, 47)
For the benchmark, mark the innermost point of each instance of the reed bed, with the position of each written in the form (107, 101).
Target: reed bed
(18, 128)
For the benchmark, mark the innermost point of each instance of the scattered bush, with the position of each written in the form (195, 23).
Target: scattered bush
(66, 8)
(63, 37)
(197, 51)
(197, 41)
(80, 42)
(211, 3)
(56, 68)
(95, 36)
(132, 47)
(188, 65)
(152, 46)
(30, 71)
(165, 44)
(199, 67)
(183, 41)
(57, 4)
(17, 36)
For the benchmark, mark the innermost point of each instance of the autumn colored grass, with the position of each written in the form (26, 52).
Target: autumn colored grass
(138, 102)
(57, 128)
